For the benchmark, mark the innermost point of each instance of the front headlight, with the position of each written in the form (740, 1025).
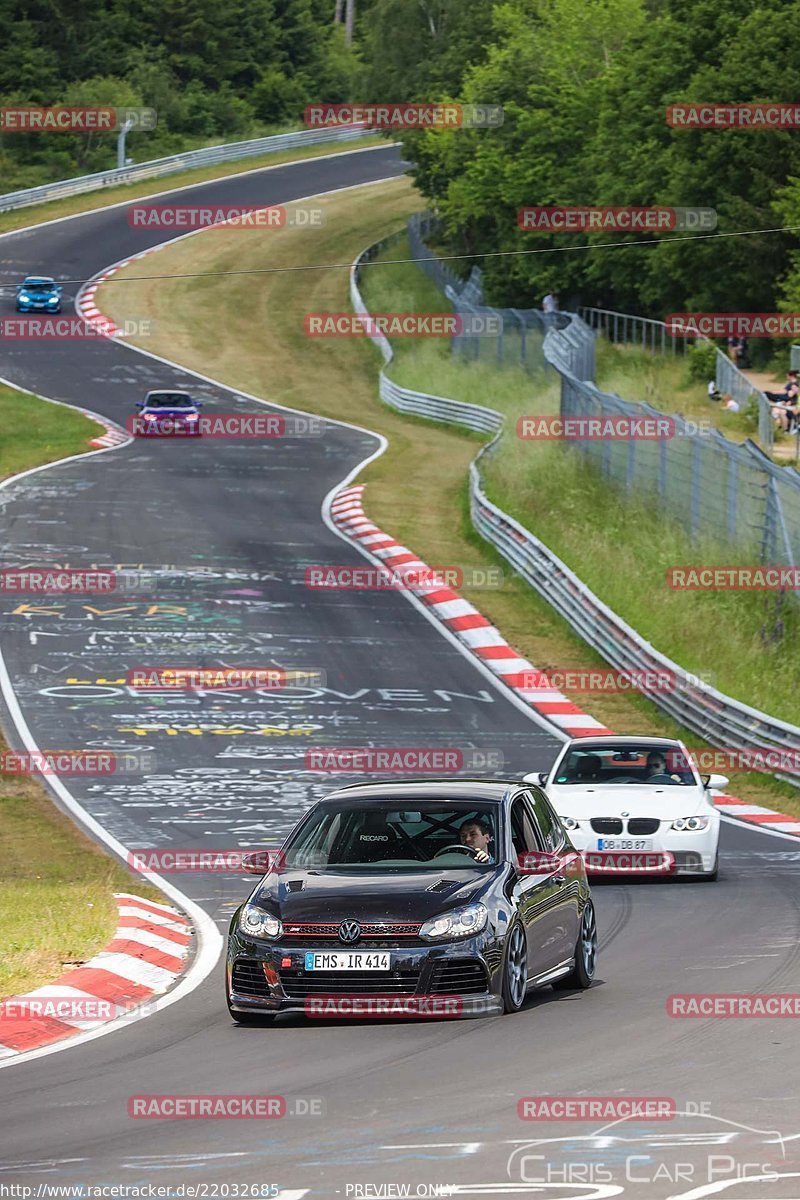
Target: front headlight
(568, 822)
(24, 297)
(461, 922)
(257, 923)
(691, 823)
(52, 299)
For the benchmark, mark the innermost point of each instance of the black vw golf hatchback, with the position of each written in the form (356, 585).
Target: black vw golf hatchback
(414, 898)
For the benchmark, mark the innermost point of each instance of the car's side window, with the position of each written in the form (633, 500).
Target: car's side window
(524, 835)
(547, 821)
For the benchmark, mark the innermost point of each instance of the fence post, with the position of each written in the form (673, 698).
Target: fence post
(697, 463)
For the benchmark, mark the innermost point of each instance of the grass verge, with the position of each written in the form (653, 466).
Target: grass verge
(259, 345)
(56, 886)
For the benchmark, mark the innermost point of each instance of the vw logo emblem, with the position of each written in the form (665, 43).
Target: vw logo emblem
(349, 931)
(625, 814)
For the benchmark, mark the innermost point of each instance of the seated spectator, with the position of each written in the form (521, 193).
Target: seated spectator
(713, 391)
(790, 390)
(786, 415)
(732, 405)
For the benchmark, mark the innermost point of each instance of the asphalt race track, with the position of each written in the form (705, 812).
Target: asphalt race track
(227, 528)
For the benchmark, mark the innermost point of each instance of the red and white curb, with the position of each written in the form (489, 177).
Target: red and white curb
(473, 629)
(86, 303)
(754, 814)
(145, 957)
(113, 436)
(486, 642)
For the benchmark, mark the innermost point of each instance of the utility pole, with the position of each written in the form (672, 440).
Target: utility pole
(349, 22)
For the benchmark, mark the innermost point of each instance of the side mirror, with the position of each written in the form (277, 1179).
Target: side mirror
(59, 288)
(539, 777)
(259, 862)
(715, 782)
(140, 403)
(18, 288)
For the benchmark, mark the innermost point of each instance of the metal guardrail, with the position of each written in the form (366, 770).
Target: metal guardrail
(420, 404)
(717, 718)
(209, 156)
(652, 335)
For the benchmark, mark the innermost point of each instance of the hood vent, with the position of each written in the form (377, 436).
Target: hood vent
(442, 885)
(295, 885)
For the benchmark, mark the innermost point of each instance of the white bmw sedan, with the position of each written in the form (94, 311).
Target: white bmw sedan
(636, 805)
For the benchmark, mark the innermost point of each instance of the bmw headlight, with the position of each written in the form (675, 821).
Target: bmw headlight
(52, 299)
(24, 297)
(461, 922)
(691, 823)
(568, 822)
(258, 923)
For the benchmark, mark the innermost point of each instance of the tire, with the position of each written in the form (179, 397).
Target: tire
(515, 969)
(582, 974)
(250, 1018)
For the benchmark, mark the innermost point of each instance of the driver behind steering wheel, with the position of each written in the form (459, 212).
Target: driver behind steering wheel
(476, 834)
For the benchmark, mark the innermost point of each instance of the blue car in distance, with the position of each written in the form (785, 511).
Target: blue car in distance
(39, 293)
(167, 414)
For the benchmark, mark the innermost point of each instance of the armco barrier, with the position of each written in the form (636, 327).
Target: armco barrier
(420, 404)
(206, 157)
(718, 719)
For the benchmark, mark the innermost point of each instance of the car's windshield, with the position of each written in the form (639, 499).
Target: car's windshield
(170, 400)
(38, 286)
(418, 836)
(626, 763)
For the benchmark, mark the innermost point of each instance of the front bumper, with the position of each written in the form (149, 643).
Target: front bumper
(456, 979)
(694, 851)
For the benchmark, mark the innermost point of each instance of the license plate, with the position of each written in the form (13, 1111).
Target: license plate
(624, 843)
(348, 960)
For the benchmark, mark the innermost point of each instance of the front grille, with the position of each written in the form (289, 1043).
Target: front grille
(300, 984)
(388, 930)
(641, 825)
(606, 824)
(460, 976)
(248, 978)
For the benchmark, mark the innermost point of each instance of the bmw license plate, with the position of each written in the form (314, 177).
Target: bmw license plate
(348, 960)
(624, 843)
